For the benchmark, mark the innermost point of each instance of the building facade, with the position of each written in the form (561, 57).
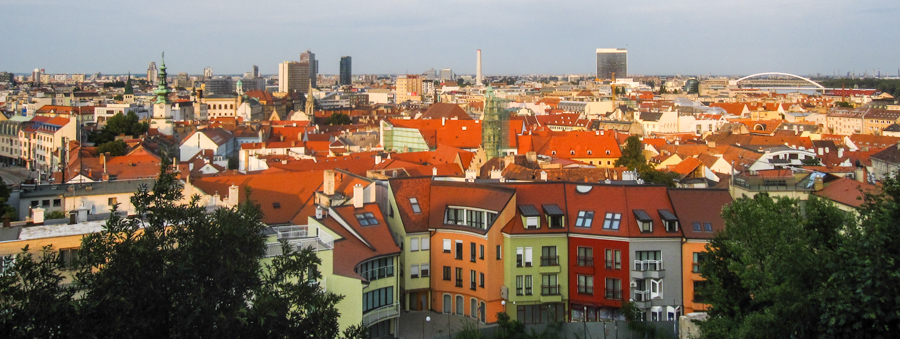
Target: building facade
(612, 62)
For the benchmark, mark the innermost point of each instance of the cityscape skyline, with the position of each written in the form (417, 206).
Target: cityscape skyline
(715, 38)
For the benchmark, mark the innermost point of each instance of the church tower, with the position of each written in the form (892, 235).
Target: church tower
(162, 107)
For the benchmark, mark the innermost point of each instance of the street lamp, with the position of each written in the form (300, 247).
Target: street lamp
(427, 320)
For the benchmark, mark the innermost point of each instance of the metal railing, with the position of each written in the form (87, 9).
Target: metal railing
(381, 313)
(300, 237)
(648, 265)
(641, 295)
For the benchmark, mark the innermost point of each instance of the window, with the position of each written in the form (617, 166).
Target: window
(698, 257)
(446, 245)
(481, 280)
(528, 256)
(528, 285)
(520, 256)
(425, 270)
(656, 288)
(612, 221)
(472, 251)
(472, 280)
(447, 273)
(414, 203)
(645, 223)
(613, 289)
(366, 219)
(413, 244)
(531, 222)
(697, 226)
(475, 219)
(554, 215)
(613, 259)
(530, 213)
(426, 245)
(519, 286)
(585, 256)
(549, 284)
(414, 271)
(459, 250)
(548, 256)
(707, 227)
(378, 298)
(455, 216)
(481, 252)
(68, 257)
(499, 255)
(585, 284)
(669, 220)
(473, 308)
(57, 202)
(584, 219)
(111, 201)
(647, 261)
(377, 269)
(698, 291)
(459, 305)
(459, 276)
(656, 313)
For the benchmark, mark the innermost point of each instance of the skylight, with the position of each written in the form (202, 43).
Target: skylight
(366, 219)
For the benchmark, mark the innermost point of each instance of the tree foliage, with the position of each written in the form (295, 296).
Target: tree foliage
(5, 209)
(127, 124)
(785, 268)
(338, 118)
(172, 270)
(114, 148)
(633, 159)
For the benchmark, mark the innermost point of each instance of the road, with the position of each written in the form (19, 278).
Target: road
(14, 175)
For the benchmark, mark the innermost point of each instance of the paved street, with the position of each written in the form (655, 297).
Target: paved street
(413, 325)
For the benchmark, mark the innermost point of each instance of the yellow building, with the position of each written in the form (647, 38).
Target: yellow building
(408, 88)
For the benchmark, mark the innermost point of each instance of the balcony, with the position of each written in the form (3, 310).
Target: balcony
(642, 299)
(300, 237)
(648, 269)
(381, 313)
(550, 260)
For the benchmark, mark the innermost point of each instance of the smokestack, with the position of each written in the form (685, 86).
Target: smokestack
(358, 198)
(478, 77)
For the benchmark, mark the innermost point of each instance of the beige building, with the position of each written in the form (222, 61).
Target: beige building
(409, 88)
(289, 76)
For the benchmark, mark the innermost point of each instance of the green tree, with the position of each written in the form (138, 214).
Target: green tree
(338, 118)
(127, 124)
(5, 209)
(173, 270)
(632, 154)
(767, 271)
(843, 104)
(662, 88)
(812, 161)
(115, 148)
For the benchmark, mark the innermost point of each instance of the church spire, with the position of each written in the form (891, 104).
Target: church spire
(162, 89)
(310, 102)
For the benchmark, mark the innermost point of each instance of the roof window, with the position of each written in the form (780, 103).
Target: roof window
(366, 219)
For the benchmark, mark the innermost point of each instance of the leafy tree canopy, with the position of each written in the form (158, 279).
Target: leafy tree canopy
(633, 159)
(115, 148)
(785, 268)
(127, 124)
(338, 118)
(172, 270)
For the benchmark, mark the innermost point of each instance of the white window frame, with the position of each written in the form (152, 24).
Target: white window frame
(413, 244)
(527, 260)
(520, 252)
(425, 244)
(532, 223)
(448, 246)
(414, 271)
(656, 288)
(425, 270)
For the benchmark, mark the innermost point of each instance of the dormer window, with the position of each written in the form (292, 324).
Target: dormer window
(531, 215)
(589, 152)
(572, 152)
(554, 215)
(645, 223)
(669, 220)
(552, 152)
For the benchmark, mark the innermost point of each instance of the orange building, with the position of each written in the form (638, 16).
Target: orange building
(465, 221)
(700, 223)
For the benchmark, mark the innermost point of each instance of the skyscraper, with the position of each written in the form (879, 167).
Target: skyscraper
(612, 61)
(255, 71)
(308, 77)
(152, 73)
(289, 76)
(346, 72)
(207, 73)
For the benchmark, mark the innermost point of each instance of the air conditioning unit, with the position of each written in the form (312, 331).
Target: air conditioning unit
(634, 284)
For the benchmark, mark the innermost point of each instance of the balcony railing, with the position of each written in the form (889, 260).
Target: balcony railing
(642, 295)
(648, 265)
(378, 273)
(549, 289)
(613, 294)
(550, 260)
(300, 237)
(381, 313)
(585, 261)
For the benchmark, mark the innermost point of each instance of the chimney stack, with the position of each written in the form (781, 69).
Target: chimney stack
(543, 175)
(358, 198)
(478, 76)
(329, 182)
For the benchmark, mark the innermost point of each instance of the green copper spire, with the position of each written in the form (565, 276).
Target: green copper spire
(162, 90)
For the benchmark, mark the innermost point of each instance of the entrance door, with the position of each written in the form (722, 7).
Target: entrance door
(423, 301)
(447, 303)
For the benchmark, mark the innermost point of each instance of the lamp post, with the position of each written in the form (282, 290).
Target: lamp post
(427, 320)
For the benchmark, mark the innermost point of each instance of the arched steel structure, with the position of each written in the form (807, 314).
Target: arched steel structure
(796, 81)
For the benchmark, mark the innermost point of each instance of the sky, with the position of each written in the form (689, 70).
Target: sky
(690, 37)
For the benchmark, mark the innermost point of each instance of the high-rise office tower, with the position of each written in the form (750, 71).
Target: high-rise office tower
(346, 72)
(255, 71)
(446, 74)
(207, 73)
(612, 61)
(289, 76)
(478, 77)
(308, 78)
(152, 73)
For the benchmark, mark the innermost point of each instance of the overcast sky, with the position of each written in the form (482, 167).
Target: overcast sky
(737, 37)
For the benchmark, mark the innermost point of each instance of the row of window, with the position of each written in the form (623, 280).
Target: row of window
(585, 257)
(524, 256)
(476, 279)
(476, 252)
(610, 222)
(420, 270)
(480, 219)
(477, 309)
(378, 298)
(414, 244)
(377, 269)
(549, 284)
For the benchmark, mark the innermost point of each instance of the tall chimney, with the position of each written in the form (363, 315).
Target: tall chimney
(329, 182)
(478, 77)
(358, 197)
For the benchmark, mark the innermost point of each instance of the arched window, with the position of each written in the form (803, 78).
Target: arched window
(447, 303)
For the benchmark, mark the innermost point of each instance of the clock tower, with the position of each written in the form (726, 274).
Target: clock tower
(162, 107)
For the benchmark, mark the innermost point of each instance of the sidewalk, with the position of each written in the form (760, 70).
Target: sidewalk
(414, 326)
